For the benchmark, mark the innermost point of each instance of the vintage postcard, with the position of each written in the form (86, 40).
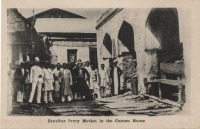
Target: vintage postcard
(100, 64)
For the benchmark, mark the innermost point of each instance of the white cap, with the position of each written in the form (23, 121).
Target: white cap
(79, 61)
(37, 59)
(115, 61)
(21, 60)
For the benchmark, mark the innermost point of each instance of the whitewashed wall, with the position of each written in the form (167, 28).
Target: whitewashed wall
(61, 52)
(60, 48)
(137, 18)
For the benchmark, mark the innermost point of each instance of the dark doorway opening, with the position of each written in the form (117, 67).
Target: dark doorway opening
(15, 53)
(107, 42)
(164, 25)
(72, 55)
(93, 56)
(126, 36)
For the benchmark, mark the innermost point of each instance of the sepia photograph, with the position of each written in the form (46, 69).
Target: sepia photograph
(96, 61)
(100, 64)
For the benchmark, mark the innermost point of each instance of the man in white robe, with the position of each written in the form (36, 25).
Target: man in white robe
(115, 74)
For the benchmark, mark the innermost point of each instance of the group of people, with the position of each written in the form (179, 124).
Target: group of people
(61, 83)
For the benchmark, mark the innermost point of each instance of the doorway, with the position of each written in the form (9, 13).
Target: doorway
(93, 55)
(126, 37)
(72, 55)
(164, 25)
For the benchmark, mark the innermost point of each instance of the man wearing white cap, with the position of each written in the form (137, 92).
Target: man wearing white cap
(36, 78)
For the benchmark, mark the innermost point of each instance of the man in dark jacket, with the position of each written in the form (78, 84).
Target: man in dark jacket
(20, 76)
(80, 75)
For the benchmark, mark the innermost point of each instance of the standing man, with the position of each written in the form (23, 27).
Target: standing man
(36, 78)
(56, 75)
(48, 83)
(80, 75)
(20, 76)
(94, 80)
(115, 74)
(103, 80)
(73, 87)
(66, 83)
(88, 68)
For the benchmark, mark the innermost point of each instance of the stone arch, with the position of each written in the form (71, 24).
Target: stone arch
(126, 36)
(164, 25)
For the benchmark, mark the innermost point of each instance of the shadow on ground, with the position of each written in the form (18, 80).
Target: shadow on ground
(80, 108)
(122, 105)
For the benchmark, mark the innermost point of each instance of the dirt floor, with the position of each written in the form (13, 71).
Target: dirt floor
(122, 105)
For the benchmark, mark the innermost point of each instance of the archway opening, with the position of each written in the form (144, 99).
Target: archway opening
(126, 36)
(164, 25)
(107, 42)
(127, 52)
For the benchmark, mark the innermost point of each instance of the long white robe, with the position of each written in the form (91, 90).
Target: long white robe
(48, 80)
(116, 81)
